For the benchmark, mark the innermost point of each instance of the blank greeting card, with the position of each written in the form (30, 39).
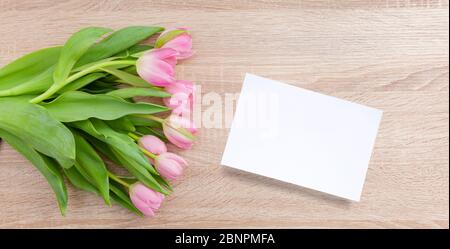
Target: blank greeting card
(302, 137)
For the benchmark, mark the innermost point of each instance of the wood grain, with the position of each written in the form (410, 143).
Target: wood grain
(391, 55)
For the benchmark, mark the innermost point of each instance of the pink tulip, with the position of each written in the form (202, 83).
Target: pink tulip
(157, 66)
(183, 97)
(179, 120)
(178, 101)
(153, 144)
(177, 135)
(170, 165)
(145, 199)
(178, 39)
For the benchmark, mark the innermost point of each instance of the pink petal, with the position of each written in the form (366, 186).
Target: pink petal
(153, 144)
(181, 43)
(185, 55)
(168, 168)
(187, 84)
(177, 138)
(159, 73)
(142, 206)
(167, 55)
(164, 53)
(171, 60)
(176, 100)
(183, 119)
(182, 86)
(177, 159)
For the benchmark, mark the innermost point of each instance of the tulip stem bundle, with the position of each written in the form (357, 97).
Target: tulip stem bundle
(71, 111)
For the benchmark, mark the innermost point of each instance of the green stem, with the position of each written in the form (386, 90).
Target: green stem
(47, 94)
(98, 66)
(133, 136)
(117, 179)
(57, 86)
(148, 153)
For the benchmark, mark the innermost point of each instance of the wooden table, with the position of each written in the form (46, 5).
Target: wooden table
(392, 55)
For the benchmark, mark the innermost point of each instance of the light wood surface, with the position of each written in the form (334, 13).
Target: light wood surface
(391, 55)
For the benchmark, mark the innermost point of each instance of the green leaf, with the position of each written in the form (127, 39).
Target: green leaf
(48, 168)
(140, 172)
(134, 51)
(91, 166)
(36, 85)
(102, 148)
(117, 42)
(131, 92)
(100, 130)
(117, 193)
(123, 54)
(81, 82)
(74, 48)
(130, 70)
(124, 144)
(101, 86)
(142, 121)
(79, 181)
(163, 182)
(28, 67)
(127, 78)
(144, 130)
(105, 83)
(97, 90)
(100, 62)
(139, 48)
(121, 124)
(33, 124)
(121, 196)
(76, 106)
(124, 149)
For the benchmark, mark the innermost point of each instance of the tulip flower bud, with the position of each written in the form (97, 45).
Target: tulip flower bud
(153, 144)
(179, 119)
(178, 39)
(145, 199)
(182, 99)
(170, 165)
(157, 66)
(176, 134)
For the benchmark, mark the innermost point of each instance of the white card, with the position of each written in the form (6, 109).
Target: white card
(302, 137)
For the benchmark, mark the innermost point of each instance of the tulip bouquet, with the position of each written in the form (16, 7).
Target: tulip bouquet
(70, 109)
